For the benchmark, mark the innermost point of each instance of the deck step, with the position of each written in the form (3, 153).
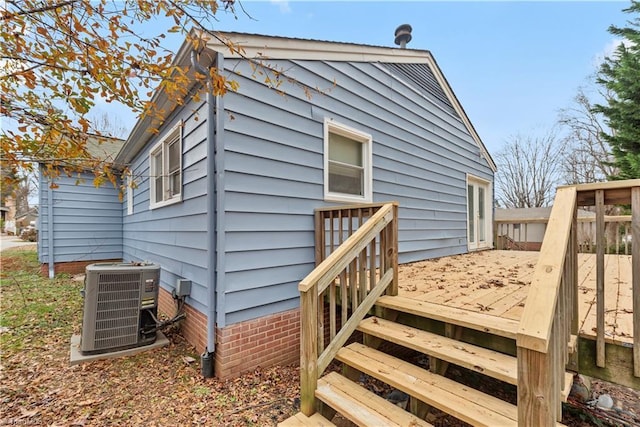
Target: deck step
(301, 420)
(361, 406)
(464, 403)
(482, 360)
(469, 319)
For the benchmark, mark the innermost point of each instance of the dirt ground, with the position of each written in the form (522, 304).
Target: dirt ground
(161, 387)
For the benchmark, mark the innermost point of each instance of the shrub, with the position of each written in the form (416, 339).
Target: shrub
(29, 234)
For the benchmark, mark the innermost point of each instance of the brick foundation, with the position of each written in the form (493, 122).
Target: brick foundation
(71, 267)
(193, 328)
(267, 341)
(242, 347)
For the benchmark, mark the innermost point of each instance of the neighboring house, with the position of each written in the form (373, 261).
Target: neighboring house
(25, 219)
(13, 206)
(4, 211)
(226, 191)
(524, 228)
(79, 223)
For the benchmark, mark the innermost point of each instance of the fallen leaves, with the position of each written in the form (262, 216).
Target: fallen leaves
(482, 307)
(498, 283)
(161, 387)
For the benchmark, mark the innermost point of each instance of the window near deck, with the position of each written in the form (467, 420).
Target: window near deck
(347, 168)
(165, 166)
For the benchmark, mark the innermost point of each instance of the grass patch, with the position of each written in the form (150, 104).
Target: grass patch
(33, 308)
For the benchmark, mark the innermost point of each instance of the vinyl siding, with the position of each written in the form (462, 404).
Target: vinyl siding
(174, 236)
(422, 153)
(87, 220)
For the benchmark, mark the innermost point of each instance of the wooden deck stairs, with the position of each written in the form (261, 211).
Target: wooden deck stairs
(353, 292)
(426, 388)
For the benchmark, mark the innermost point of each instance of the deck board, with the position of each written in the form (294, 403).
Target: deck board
(496, 283)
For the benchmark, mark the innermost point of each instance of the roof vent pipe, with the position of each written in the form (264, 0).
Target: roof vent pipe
(403, 35)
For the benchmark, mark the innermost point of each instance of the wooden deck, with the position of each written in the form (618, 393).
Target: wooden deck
(496, 283)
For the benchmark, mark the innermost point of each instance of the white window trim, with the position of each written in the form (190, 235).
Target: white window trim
(161, 145)
(472, 179)
(367, 156)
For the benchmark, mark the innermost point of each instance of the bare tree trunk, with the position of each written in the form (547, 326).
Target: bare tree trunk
(529, 169)
(589, 156)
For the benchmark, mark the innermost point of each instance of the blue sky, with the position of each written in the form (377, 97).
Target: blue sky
(513, 65)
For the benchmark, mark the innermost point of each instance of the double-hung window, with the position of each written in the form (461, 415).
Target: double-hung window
(347, 167)
(165, 165)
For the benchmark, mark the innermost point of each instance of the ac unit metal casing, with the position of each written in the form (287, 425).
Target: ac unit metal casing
(120, 306)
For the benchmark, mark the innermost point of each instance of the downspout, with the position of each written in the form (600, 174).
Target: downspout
(220, 201)
(207, 359)
(50, 229)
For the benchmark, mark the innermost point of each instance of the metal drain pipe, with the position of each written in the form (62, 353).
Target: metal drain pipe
(207, 358)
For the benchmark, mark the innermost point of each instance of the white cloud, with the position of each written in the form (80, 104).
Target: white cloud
(609, 50)
(283, 5)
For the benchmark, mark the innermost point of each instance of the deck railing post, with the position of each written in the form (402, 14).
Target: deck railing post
(392, 250)
(635, 279)
(600, 251)
(320, 236)
(572, 285)
(536, 406)
(308, 350)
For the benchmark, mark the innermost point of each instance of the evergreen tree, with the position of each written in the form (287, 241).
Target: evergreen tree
(620, 75)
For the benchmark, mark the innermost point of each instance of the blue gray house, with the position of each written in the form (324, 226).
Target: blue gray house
(225, 192)
(79, 223)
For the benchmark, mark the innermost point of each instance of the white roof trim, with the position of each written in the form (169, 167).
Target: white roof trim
(273, 47)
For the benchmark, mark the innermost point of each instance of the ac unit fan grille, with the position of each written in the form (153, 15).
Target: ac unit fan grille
(118, 302)
(123, 313)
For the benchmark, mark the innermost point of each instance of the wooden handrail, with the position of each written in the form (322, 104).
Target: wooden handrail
(334, 263)
(548, 318)
(532, 220)
(550, 313)
(535, 324)
(608, 185)
(361, 268)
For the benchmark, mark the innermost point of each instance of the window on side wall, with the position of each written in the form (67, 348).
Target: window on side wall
(165, 166)
(347, 164)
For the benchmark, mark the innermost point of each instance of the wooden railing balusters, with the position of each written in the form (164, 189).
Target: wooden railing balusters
(550, 316)
(348, 265)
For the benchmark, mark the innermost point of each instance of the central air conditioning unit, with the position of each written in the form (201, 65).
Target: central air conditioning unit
(120, 306)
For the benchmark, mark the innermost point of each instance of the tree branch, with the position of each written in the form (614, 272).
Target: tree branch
(38, 64)
(23, 12)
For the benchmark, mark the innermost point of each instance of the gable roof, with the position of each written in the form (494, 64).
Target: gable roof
(275, 47)
(103, 147)
(416, 68)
